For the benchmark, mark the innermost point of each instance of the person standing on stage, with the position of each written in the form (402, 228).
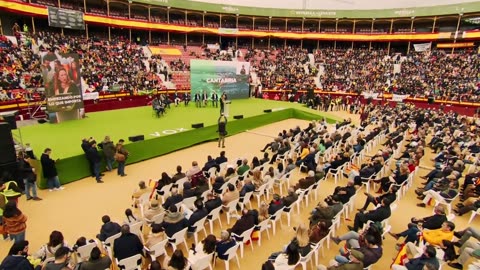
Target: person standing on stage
(205, 98)
(222, 130)
(176, 98)
(94, 158)
(223, 99)
(214, 99)
(198, 101)
(121, 156)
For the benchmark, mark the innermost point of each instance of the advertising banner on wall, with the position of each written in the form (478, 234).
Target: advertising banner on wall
(226, 77)
(62, 81)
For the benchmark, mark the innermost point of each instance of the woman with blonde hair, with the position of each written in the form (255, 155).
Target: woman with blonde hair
(263, 212)
(257, 179)
(302, 240)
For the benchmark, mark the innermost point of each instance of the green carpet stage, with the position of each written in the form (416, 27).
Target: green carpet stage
(166, 134)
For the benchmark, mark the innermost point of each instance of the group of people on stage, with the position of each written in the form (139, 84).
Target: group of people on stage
(201, 99)
(161, 102)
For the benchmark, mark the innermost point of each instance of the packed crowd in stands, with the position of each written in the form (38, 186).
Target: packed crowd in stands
(184, 201)
(123, 65)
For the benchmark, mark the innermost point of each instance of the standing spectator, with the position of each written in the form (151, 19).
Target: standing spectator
(94, 158)
(121, 156)
(27, 174)
(85, 147)
(222, 130)
(50, 171)
(14, 222)
(109, 152)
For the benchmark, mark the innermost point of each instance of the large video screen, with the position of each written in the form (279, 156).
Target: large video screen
(65, 18)
(62, 80)
(226, 77)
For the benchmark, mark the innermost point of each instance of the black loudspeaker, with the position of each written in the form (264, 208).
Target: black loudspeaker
(11, 120)
(198, 125)
(431, 100)
(7, 145)
(267, 111)
(136, 138)
(238, 116)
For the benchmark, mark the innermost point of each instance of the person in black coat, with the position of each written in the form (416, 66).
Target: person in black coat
(127, 245)
(27, 174)
(247, 221)
(200, 213)
(94, 158)
(108, 229)
(379, 214)
(85, 147)
(221, 159)
(275, 205)
(50, 170)
(213, 202)
(215, 99)
(188, 191)
(173, 199)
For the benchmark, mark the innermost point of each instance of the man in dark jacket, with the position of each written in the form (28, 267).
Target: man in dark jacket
(200, 213)
(432, 223)
(173, 199)
(127, 245)
(306, 182)
(50, 170)
(108, 229)
(94, 158)
(86, 145)
(379, 214)
(247, 221)
(221, 159)
(213, 202)
(27, 174)
(109, 152)
(344, 193)
(290, 198)
(17, 257)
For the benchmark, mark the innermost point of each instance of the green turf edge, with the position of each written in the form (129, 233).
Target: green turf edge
(76, 167)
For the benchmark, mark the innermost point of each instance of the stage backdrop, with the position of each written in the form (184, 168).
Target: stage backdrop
(220, 76)
(63, 88)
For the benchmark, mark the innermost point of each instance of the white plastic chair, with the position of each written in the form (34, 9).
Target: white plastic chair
(231, 254)
(261, 192)
(244, 238)
(336, 173)
(179, 183)
(277, 217)
(83, 252)
(108, 244)
(246, 200)
(164, 192)
(157, 250)
(262, 226)
(231, 208)
(131, 263)
(203, 263)
(189, 202)
(157, 219)
(212, 172)
(178, 238)
(136, 228)
(308, 258)
(474, 213)
(214, 215)
(199, 226)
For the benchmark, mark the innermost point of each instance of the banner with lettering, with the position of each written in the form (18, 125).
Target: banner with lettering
(422, 47)
(399, 98)
(368, 95)
(231, 78)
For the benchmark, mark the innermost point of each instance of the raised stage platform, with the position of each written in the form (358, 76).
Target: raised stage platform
(166, 134)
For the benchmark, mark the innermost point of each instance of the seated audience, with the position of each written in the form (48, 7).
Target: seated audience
(127, 245)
